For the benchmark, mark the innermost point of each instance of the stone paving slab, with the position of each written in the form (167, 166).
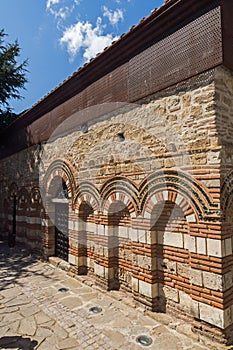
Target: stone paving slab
(34, 314)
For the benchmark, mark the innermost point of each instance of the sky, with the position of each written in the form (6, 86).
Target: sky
(59, 36)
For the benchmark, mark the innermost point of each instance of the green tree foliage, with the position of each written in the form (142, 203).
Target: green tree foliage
(12, 78)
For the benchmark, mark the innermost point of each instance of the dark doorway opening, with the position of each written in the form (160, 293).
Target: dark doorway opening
(62, 231)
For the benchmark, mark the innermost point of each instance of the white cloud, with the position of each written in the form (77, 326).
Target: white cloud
(62, 13)
(50, 3)
(83, 35)
(113, 16)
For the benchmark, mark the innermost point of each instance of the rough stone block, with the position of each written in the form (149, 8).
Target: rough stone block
(183, 270)
(169, 293)
(196, 277)
(185, 301)
(135, 284)
(228, 246)
(212, 281)
(212, 315)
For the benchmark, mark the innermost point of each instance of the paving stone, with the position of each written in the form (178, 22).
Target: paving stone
(28, 326)
(11, 293)
(117, 338)
(28, 310)
(68, 343)
(44, 332)
(59, 331)
(21, 300)
(59, 321)
(41, 317)
(71, 302)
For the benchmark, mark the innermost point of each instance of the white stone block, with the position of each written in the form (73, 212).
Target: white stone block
(135, 284)
(195, 309)
(147, 289)
(154, 199)
(196, 277)
(123, 232)
(214, 247)
(228, 317)
(142, 236)
(71, 225)
(147, 215)
(212, 315)
(185, 300)
(191, 218)
(165, 195)
(212, 281)
(228, 246)
(90, 227)
(173, 239)
(201, 245)
(133, 234)
(179, 199)
(72, 259)
(169, 293)
(99, 270)
(101, 230)
(76, 225)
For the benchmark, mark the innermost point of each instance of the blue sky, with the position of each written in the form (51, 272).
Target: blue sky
(59, 36)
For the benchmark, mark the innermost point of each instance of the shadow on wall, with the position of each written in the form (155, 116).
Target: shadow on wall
(17, 342)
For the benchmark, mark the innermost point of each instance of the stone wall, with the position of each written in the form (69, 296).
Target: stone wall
(145, 208)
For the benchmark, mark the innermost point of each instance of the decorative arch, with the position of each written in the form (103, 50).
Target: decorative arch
(62, 169)
(163, 195)
(179, 186)
(88, 193)
(120, 189)
(227, 194)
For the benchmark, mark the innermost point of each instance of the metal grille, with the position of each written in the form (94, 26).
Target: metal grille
(61, 231)
(185, 53)
(110, 88)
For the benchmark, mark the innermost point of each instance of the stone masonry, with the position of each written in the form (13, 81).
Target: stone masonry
(137, 194)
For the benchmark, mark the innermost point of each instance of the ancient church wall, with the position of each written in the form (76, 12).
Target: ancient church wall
(144, 199)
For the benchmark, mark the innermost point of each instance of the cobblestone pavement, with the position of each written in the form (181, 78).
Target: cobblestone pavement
(35, 313)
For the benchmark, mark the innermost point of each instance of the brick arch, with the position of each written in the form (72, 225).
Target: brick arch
(118, 197)
(227, 194)
(63, 170)
(159, 184)
(163, 195)
(120, 189)
(86, 192)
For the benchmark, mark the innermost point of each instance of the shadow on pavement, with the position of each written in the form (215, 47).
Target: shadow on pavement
(15, 263)
(17, 342)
